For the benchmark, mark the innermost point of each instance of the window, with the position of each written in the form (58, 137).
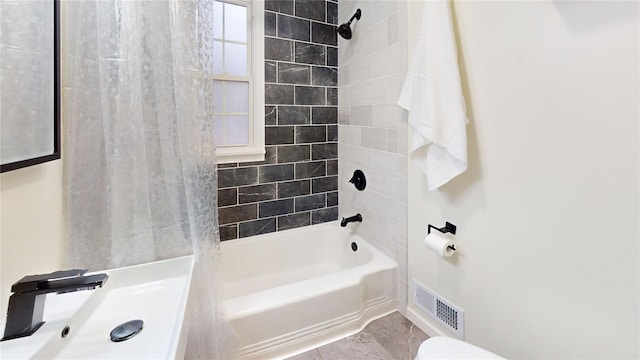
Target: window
(238, 78)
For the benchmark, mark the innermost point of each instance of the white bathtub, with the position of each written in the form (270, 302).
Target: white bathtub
(291, 291)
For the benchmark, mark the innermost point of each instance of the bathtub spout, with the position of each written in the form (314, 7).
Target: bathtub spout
(354, 218)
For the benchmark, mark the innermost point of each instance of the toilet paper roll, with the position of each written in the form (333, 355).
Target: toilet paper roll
(440, 243)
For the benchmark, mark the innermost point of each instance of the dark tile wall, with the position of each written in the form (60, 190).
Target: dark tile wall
(297, 184)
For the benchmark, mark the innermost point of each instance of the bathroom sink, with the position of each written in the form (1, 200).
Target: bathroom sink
(78, 325)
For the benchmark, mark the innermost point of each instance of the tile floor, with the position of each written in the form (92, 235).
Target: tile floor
(391, 337)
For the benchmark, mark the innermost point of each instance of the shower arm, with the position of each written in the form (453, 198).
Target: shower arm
(355, 16)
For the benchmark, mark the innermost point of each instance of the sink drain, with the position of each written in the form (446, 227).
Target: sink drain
(126, 330)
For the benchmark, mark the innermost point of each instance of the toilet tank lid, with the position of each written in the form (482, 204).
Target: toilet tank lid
(442, 347)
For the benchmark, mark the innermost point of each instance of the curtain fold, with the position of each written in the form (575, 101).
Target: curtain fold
(139, 158)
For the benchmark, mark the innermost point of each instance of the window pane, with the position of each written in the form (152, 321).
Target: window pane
(237, 97)
(217, 57)
(218, 96)
(235, 59)
(237, 128)
(218, 130)
(235, 23)
(217, 20)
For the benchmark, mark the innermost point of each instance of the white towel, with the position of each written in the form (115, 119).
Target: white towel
(433, 96)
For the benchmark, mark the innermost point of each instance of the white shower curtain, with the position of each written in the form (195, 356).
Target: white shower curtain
(139, 159)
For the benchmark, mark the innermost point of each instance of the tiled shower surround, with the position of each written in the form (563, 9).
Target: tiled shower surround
(373, 128)
(297, 184)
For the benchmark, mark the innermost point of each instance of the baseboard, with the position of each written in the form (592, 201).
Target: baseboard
(423, 324)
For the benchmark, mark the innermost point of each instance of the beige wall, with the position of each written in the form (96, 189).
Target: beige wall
(30, 224)
(547, 213)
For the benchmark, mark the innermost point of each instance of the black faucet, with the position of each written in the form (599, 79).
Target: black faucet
(26, 304)
(354, 218)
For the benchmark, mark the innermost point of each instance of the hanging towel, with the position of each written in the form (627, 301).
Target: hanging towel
(433, 96)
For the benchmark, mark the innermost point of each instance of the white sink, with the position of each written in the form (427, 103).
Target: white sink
(156, 293)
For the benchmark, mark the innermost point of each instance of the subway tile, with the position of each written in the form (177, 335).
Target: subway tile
(332, 133)
(255, 193)
(332, 199)
(332, 13)
(269, 23)
(234, 214)
(323, 34)
(293, 153)
(294, 188)
(270, 72)
(270, 155)
(229, 232)
(278, 94)
(310, 202)
(236, 177)
(332, 167)
(293, 28)
(324, 184)
(324, 151)
(332, 56)
(294, 221)
(276, 207)
(332, 96)
(324, 115)
(293, 115)
(277, 135)
(310, 53)
(324, 76)
(361, 115)
(311, 134)
(270, 115)
(324, 215)
(275, 173)
(257, 227)
(310, 9)
(294, 74)
(392, 140)
(280, 6)
(392, 29)
(227, 197)
(278, 49)
(310, 169)
(309, 95)
(374, 138)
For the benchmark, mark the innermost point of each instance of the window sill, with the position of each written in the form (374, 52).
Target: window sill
(239, 155)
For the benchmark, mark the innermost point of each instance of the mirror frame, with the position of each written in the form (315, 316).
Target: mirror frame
(56, 102)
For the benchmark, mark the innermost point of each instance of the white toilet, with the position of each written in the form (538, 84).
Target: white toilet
(441, 347)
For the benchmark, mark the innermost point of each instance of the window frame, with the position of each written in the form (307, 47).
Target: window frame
(255, 150)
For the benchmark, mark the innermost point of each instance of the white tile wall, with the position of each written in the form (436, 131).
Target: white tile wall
(372, 127)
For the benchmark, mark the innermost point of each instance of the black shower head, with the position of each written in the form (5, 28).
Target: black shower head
(345, 29)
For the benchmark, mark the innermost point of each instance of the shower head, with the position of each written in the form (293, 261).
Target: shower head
(345, 29)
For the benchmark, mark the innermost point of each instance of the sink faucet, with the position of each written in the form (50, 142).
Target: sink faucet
(354, 218)
(26, 304)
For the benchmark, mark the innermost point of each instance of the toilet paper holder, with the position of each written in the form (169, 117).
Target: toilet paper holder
(448, 228)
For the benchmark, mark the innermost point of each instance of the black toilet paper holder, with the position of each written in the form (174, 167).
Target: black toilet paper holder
(448, 228)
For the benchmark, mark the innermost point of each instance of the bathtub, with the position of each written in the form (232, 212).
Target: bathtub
(294, 290)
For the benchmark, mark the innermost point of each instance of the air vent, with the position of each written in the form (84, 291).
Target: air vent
(447, 314)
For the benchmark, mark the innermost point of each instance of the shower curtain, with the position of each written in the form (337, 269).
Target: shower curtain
(139, 159)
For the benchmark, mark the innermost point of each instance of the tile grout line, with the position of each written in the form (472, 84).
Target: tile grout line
(411, 338)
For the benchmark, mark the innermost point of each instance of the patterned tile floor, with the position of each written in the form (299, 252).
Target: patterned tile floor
(392, 337)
